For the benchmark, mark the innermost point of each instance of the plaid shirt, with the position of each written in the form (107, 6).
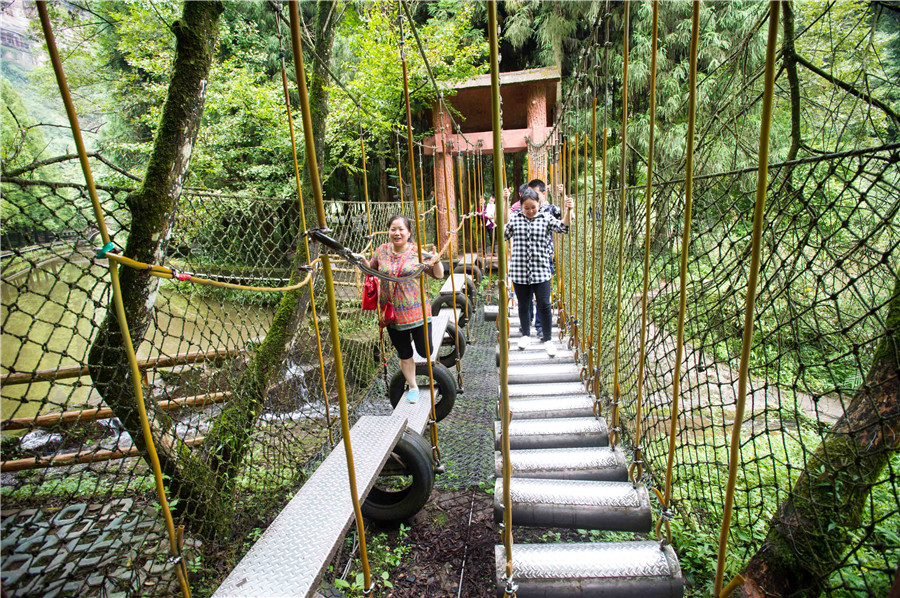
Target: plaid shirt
(532, 253)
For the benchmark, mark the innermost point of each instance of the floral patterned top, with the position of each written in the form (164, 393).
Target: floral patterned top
(404, 295)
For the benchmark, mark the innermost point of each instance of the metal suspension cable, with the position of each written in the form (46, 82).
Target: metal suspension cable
(313, 167)
(175, 536)
(584, 254)
(466, 303)
(636, 469)
(452, 260)
(682, 301)
(312, 294)
(606, 43)
(590, 362)
(502, 313)
(362, 148)
(617, 391)
(412, 176)
(750, 303)
(437, 90)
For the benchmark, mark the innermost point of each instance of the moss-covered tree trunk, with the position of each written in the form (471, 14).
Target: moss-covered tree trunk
(152, 208)
(808, 535)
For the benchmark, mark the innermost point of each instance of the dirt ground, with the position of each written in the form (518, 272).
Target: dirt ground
(451, 540)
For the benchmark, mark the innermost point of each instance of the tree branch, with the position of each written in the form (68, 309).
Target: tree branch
(65, 158)
(850, 89)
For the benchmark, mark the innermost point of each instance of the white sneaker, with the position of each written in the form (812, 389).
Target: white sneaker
(550, 348)
(523, 343)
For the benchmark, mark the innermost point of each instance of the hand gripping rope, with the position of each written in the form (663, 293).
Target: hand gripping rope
(321, 235)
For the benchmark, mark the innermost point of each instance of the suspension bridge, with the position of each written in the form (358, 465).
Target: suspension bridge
(669, 409)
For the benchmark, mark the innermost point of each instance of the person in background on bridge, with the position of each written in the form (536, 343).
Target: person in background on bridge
(398, 258)
(540, 187)
(530, 231)
(490, 216)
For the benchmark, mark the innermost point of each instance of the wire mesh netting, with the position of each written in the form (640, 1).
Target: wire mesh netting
(80, 515)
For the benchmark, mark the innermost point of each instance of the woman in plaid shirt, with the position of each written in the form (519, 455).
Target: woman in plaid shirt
(530, 261)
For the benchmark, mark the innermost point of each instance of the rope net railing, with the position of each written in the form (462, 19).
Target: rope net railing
(79, 503)
(828, 272)
(828, 276)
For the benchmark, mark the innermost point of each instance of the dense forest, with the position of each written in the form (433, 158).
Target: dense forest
(183, 106)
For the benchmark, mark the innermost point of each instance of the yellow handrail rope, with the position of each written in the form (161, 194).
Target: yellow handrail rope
(682, 301)
(452, 254)
(313, 168)
(302, 226)
(590, 377)
(412, 177)
(502, 313)
(636, 470)
(750, 304)
(172, 274)
(174, 544)
(617, 391)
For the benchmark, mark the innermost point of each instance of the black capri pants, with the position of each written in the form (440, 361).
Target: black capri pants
(403, 340)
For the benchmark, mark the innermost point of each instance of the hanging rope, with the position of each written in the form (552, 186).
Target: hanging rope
(682, 301)
(175, 536)
(412, 170)
(617, 392)
(750, 303)
(598, 407)
(635, 471)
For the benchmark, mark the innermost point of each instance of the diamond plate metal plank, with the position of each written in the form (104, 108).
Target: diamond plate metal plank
(439, 325)
(575, 493)
(589, 463)
(544, 407)
(291, 555)
(460, 280)
(417, 414)
(546, 390)
(514, 331)
(557, 432)
(536, 354)
(611, 565)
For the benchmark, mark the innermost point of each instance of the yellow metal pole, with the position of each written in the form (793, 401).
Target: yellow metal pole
(412, 178)
(590, 334)
(118, 304)
(313, 166)
(584, 253)
(312, 285)
(750, 304)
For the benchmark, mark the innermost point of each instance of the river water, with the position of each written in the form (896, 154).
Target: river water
(50, 317)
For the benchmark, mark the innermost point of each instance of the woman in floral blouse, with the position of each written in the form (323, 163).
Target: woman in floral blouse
(399, 258)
